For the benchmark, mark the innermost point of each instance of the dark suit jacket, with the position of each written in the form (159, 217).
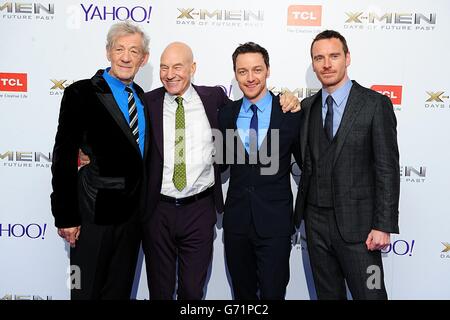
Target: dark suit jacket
(366, 173)
(265, 199)
(212, 98)
(107, 191)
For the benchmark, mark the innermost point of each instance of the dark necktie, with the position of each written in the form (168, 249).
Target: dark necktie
(328, 127)
(132, 112)
(253, 134)
(179, 169)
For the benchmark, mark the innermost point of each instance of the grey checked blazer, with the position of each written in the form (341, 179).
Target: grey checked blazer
(366, 173)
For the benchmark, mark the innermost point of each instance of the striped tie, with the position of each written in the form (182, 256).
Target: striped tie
(132, 112)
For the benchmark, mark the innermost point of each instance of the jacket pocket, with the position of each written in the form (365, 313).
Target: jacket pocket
(116, 183)
(361, 193)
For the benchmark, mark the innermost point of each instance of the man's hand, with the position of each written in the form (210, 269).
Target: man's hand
(289, 102)
(83, 159)
(70, 234)
(377, 240)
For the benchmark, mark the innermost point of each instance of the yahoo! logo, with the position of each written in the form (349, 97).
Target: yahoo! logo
(227, 89)
(400, 248)
(18, 230)
(103, 13)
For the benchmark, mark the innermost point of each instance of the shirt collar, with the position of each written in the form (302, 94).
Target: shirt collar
(115, 83)
(187, 96)
(261, 104)
(339, 95)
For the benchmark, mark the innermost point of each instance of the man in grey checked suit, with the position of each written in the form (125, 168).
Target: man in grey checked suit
(350, 186)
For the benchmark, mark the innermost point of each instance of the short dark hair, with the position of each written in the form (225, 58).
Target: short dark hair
(328, 34)
(250, 47)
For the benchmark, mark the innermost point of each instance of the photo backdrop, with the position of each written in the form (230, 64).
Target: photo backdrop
(399, 48)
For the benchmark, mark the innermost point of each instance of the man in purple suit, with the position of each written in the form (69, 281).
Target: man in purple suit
(183, 182)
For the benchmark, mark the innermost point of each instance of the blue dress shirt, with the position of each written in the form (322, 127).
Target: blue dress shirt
(340, 97)
(264, 112)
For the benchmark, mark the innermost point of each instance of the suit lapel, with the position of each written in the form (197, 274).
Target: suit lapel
(147, 123)
(317, 104)
(276, 119)
(234, 116)
(306, 124)
(108, 101)
(236, 109)
(304, 131)
(156, 118)
(106, 97)
(354, 104)
(210, 108)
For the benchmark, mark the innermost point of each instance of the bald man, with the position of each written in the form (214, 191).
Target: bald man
(184, 187)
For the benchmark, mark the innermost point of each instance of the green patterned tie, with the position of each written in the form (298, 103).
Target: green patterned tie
(179, 170)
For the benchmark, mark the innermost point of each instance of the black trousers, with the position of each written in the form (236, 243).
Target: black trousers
(180, 235)
(257, 265)
(104, 260)
(334, 261)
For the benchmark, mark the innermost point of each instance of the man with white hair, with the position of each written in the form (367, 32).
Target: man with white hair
(96, 208)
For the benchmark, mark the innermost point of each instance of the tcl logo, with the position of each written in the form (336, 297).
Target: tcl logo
(393, 92)
(13, 82)
(299, 15)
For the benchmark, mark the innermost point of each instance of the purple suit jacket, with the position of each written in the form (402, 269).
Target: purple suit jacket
(212, 98)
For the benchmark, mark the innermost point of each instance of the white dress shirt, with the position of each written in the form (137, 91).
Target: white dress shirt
(199, 145)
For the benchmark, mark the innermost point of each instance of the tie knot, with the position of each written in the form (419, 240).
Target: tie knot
(128, 89)
(179, 100)
(254, 108)
(329, 101)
